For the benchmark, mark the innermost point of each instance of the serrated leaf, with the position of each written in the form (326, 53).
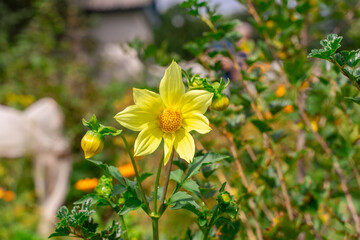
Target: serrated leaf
(261, 125)
(339, 59)
(92, 196)
(330, 45)
(114, 172)
(180, 196)
(191, 186)
(354, 59)
(176, 175)
(200, 161)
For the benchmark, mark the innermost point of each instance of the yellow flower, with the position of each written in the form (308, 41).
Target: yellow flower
(169, 116)
(92, 143)
(280, 91)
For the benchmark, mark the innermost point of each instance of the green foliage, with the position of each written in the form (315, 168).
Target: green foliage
(345, 61)
(79, 223)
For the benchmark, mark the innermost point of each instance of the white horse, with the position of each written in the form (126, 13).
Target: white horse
(38, 132)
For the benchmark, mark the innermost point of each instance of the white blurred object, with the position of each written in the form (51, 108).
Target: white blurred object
(37, 132)
(119, 62)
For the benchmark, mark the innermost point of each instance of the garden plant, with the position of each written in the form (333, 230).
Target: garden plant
(261, 143)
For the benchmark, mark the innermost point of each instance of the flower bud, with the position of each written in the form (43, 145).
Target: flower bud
(220, 103)
(92, 143)
(225, 198)
(105, 187)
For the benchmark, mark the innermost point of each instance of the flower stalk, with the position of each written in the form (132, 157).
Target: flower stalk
(137, 176)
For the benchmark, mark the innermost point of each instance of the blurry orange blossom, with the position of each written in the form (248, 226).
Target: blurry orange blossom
(9, 196)
(86, 184)
(268, 115)
(288, 109)
(280, 91)
(127, 170)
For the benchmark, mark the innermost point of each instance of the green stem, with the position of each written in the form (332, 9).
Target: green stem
(345, 73)
(136, 174)
(163, 206)
(123, 228)
(157, 184)
(211, 223)
(155, 226)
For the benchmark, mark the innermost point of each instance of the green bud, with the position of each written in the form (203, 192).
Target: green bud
(105, 187)
(224, 198)
(121, 201)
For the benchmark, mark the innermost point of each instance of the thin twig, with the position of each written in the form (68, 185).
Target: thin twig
(162, 201)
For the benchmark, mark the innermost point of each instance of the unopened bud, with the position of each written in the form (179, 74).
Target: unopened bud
(92, 143)
(220, 103)
(226, 198)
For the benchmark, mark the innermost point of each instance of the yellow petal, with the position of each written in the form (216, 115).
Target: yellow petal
(135, 118)
(184, 145)
(196, 121)
(148, 100)
(171, 86)
(148, 140)
(168, 146)
(195, 100)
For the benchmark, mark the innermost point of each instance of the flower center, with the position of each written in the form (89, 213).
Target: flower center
(170, 120)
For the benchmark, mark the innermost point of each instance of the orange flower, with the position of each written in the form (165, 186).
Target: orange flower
(305, 85)
(268, 115)
(280, 91)
(2, 191)
(127, 170)
(288, 109)
(9, 196)
(87, 184)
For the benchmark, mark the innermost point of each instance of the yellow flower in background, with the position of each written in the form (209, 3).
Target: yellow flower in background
(127, 170)
(87, 184)
(169, 116)
(280, 91)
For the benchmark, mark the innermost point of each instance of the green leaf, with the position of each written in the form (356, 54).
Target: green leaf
(261, 125)
(110, 170)
(200, 161)
(145, 176)
(181, 199)
(330, 45)
(176, 175)
(92, 196)
(131, 203)
(114, 172)
(180, 196)
(354, 99)
(106, 131)
(118, 189)
(61, 231)
(191, 186)
(354, 59)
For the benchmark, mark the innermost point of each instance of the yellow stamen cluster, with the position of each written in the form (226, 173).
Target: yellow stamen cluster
(170, 120)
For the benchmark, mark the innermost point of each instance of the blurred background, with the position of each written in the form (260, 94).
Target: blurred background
(61, 61)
